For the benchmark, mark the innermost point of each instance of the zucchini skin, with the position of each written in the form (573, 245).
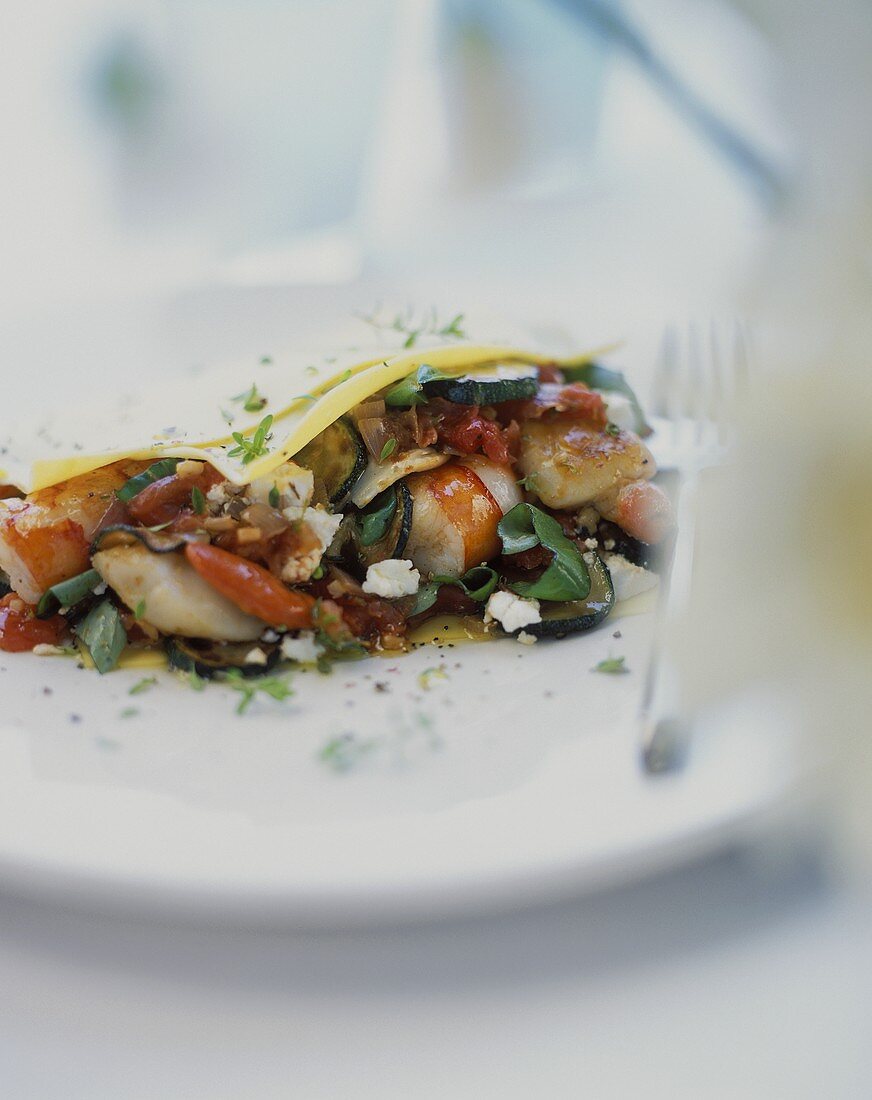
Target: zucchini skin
(210, 659)
(337, 456)
(560, 619)
(482, 391)
(393, 543)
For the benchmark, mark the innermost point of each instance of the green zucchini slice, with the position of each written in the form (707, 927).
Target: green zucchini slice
(337, 457)
(381, 530)
(560, 619)
(209, 659)
(509, 382)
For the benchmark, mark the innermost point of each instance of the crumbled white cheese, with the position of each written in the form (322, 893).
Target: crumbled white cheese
(270, 635)
(324, 526)
(527, 639)
(629, 579)
(619, 410)
(255, 656)
(591, 544)
(218, 494)
(394, 577)
(303, 648)
(99, 589)
(295, 486)
(43, 649)
(511, 611)
(609, 544)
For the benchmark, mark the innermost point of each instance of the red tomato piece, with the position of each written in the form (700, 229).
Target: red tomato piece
(163, 500)
(20, 630)
(468, 432)
(252, 588)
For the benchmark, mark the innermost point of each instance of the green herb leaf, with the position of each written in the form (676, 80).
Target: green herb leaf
(427, 678)
(567, 577)
(251, 400)
(139, 610)
(388, 450)
(129, 712)
(377, 517)
(612, 429)
(198, 501)
(250, 449)
(478, 584)
(408, 391)
(102, 634)
(601, 378)
(195, 681)
(276, 687)
(275, 497)
(611, 665)
(265, 360)
(143, 685)
(160, 469)
(67, 593)
(428, 325)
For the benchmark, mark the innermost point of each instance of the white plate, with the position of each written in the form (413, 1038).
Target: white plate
(514, 778)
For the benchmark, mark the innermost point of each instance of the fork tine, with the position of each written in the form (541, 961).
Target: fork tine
(663, 381)
(696, 387)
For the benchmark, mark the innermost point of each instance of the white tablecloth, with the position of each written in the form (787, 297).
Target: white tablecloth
(733, 978)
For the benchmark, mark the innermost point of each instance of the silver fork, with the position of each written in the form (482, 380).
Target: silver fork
(697, 389)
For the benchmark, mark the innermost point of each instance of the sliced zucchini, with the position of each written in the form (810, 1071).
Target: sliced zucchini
(382, 529)
(506, 382)
(337, 457)
(560, 619)
(379, 476)
(210, 659)
(157, 541)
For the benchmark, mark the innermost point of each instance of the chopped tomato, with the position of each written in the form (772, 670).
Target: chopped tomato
(251, 587)
(164, 500)
(468, 432)
(20, 630)
(573, 401)
(550, 372)
(371, 619)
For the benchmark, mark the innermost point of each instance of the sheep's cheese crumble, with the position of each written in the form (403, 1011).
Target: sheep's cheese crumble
(324, 526)
(619, 410)
(303, 648)
(394, 577)
(628, 579)
(511, 611)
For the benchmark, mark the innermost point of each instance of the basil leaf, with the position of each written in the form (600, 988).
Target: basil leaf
(598, 377)
(162, 468)
(408, 390)
(517, 531)
(377, 517)
(67, 593)
(102, 635)
(567, 577)
(477, 583)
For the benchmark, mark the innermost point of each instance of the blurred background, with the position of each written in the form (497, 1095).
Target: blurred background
(161, 144)
(191, 179)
